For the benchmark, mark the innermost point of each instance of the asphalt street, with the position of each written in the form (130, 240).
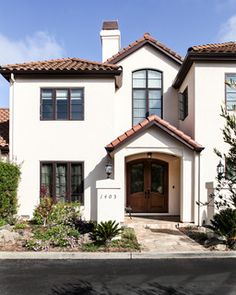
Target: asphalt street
(103, 277)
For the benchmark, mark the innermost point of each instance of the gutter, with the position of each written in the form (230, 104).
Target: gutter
(11, 121)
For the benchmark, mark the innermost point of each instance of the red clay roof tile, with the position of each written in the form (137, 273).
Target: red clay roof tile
(142, 41)
(215, 47)
(164, 125)
(63, 64)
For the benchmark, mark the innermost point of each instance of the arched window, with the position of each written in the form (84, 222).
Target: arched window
(147, 94)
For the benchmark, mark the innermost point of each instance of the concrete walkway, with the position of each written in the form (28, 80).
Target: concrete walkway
(156, 234)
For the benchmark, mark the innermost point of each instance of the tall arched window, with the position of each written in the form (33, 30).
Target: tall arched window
(147, 94)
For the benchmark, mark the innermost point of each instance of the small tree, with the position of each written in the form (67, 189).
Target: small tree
(224, 222)
(225, 192)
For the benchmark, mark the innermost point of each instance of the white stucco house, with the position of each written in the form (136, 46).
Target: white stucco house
(143, 114)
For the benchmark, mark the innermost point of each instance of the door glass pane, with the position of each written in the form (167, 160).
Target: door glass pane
(61, 183)
(61, 105)
(157, 178)
(137, 178)
(76, 182)
(47, 104)
(46, 180)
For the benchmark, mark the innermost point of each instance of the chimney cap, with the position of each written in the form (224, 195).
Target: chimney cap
(110, 25)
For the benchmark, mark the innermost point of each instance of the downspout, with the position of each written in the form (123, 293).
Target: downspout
(12, 80)
(199, 197)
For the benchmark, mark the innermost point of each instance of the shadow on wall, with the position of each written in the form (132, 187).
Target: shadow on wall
(98, 173)
(170, 103)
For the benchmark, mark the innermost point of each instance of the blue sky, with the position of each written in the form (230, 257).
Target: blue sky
(44, 29)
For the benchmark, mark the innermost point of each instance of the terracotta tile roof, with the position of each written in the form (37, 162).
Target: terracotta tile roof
(217, 48)
(218, 52)
(4, 128)
(162, 124)
(139, 43)
(63, 64)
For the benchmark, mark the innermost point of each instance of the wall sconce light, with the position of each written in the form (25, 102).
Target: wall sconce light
(108, 169)
(220, 168)
(149, 155)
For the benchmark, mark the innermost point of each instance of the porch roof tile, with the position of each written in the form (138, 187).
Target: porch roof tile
(163, 125)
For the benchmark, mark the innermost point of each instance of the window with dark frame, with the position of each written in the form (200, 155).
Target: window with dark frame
(183, 104)
(63, 181)
(62, 104)
(230, 92)
(147, 94)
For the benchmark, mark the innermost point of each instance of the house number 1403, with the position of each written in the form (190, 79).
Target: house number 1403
(108, 196)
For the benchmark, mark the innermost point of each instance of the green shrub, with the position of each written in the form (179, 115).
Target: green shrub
(64, 213)
(42, 211)
(56, 236)
(9, 179)
(224, 224)
(48, 213)
(20, 225)
(106, 231)
(2, 222)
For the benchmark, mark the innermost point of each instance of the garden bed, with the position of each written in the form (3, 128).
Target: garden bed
(205, 237)
(30, 237)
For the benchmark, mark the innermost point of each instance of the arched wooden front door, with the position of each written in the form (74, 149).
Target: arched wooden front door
(147, 186)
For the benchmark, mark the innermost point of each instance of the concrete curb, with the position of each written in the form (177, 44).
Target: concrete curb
(115, 255)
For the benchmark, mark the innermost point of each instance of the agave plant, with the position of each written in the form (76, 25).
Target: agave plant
(106, 231)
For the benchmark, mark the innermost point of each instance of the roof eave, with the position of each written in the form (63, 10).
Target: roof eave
(6, 73)
(139, 45)
(192, 57)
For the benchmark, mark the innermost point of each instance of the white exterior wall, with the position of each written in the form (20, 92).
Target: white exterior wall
(210, 96)
(35, 140)
(143, 58)
(188, 125)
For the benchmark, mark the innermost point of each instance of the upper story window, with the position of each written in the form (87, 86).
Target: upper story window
(62, 104)
(230, 92)
(147, 94)
(183, 104)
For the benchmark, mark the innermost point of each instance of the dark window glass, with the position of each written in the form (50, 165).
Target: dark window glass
(157, 178)
(47, 104)
(77, 104)
(183, 104)
(76, 182)
(46, 180)
(147, 94)
(137, 178)
(230, 92)
(62, 104)
(62, 181)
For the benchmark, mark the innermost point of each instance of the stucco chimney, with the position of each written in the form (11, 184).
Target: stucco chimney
(110, 38)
